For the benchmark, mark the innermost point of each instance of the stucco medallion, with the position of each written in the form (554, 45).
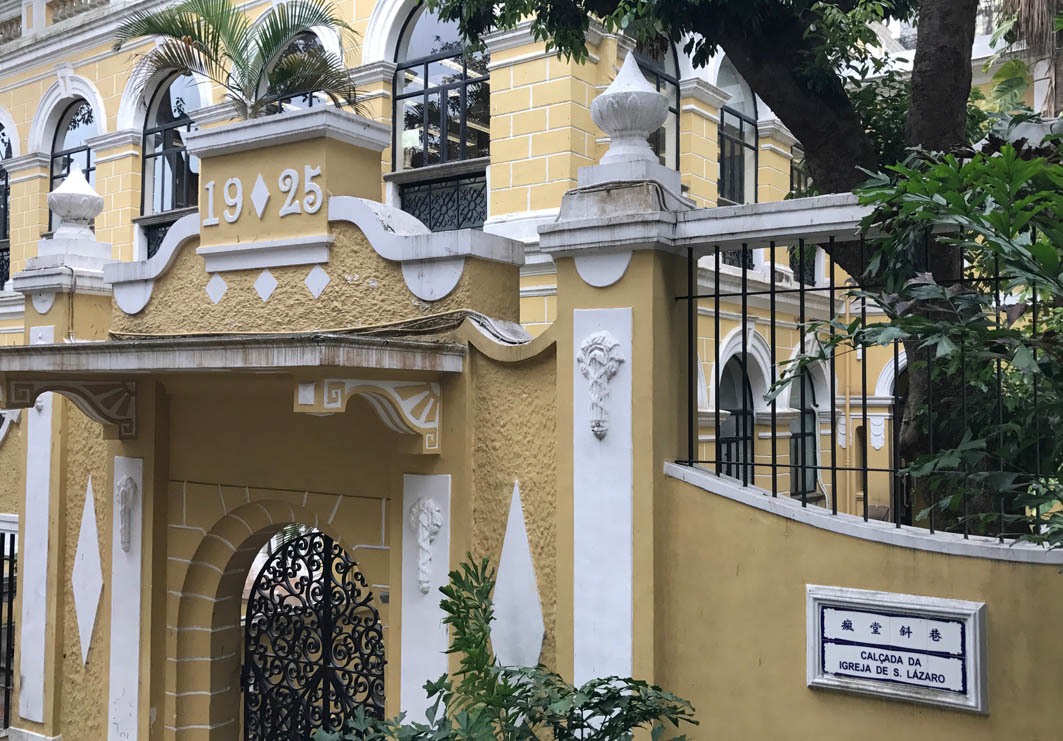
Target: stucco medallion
(599, 358)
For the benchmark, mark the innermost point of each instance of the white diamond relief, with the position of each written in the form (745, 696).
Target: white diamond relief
(216, 288)
(316, 281)
(87, 577)
(518, 629)
(265, 284)
(259, 196)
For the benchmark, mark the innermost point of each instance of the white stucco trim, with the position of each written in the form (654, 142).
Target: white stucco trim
(760, 372)
(887, 376)
(603, 495)
(381, 38)
(602, 269)
(9, 523)
(310, 250)
(53, 103)
(36, 537)
(424, 636)
(133, 107)
(21, 734)
(132, 282)
(291, 126)
(878, 531)
(124, 685)
(11, 416)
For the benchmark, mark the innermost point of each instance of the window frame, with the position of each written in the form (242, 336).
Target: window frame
(737, 141)
(60, 131)
(649, 66)
(148, 189)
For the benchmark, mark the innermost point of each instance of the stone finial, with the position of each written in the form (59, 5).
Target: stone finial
(629, 111)
(76, 204)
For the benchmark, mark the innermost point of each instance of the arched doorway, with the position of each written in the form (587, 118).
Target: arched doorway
(313, 643)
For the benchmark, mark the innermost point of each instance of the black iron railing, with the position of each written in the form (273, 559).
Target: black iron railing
(9, 562)
(830, 434)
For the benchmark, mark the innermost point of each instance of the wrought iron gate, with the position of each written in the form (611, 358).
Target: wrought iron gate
(314, 648)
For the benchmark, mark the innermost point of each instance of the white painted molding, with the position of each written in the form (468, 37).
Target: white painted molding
(599, 358)
(423, 634)
(887, 377)
(424, 519)
(877, 425)
(217, 113)
(510, 38)
(603, 269)
(373, 73)
(975, 546)
(31, 160)
(124, 686)
(775, 130)
(518, 628)
(292, 126)
(115, 139)
(21, 734)
(9, 524)
(54, 102)
(133, 282)
(380, 41)
(42, 301)
(36, 535)
(703, 92)
(603, 526)
(309, 250)
(522, 226)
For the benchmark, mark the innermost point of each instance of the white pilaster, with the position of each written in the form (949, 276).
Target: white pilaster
(35, 541)
(126, 540)
(425, 565)
(602, 502)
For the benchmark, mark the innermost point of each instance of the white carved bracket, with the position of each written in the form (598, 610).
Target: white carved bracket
(407, 407)
(599, 358)
(425, 519)
(111, 403)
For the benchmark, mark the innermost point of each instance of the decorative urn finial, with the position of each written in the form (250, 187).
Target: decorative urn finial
(629, 111)
(76, 204)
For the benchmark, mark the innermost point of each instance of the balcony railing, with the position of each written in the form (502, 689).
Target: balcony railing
(64, 9)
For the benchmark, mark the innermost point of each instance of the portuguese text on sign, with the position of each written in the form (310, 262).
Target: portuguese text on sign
(906, 647)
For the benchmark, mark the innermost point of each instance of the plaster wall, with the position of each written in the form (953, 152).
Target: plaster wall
(730, 633)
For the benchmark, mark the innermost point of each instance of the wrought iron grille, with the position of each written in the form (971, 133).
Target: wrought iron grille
(454, 203)
(153, 236)
(803, 264)
(738, 259)
(9, 561)
(314, 648)
(833, 436)
(5, 262)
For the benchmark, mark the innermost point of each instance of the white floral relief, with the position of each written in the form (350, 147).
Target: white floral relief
(126, 501)
(425, 519)
(599, 359)
(877, 424)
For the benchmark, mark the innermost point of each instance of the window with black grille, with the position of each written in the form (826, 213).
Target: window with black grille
(659, 65)
(738, 157)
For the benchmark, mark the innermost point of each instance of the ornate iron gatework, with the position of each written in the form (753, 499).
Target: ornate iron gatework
(314, 648)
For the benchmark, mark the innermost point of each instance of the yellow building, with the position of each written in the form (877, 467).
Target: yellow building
(447, 326)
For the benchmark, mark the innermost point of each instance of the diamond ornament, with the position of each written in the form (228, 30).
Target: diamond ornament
(216, 288)
(265, 284)
(518, 629)
(259, 196)
(316, 281)
(87, 576)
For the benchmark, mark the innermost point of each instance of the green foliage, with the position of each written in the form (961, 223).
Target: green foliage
(215, 39)
(995, 360)
(487, 702)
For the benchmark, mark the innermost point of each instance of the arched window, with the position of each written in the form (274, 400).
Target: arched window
(804, 439)
(734, 439)
(442, 124)
(305, 42)
(738, 139)
(171, 175)
(70, 147)
(660, 65)
(5, 210)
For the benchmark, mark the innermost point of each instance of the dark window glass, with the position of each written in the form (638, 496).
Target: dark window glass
(452, 203)
(738, 157)
(799, 180)
(659, 65)
(5, 206)
(442, 96)
(305, 43)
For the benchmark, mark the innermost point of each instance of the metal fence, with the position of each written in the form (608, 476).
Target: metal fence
(831, 436)
(9, 560)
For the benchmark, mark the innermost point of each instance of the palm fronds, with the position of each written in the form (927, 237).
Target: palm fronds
(214, 39)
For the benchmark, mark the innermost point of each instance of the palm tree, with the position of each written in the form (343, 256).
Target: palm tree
(253, 64)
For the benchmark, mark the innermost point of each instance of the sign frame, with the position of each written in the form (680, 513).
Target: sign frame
(972, 616)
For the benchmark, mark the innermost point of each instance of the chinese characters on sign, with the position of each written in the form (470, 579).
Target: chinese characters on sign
(907, 647)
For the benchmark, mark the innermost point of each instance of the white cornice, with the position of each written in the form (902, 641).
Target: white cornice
(374, 72)
(703, 92)
(269, 254)
(293, 126)
(511, 38)
(773, 128)
(115, 139)
(27, 161)
(217, 113)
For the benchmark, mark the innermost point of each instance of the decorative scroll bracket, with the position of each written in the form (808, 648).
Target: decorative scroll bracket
(407, 407)
(111, 403)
